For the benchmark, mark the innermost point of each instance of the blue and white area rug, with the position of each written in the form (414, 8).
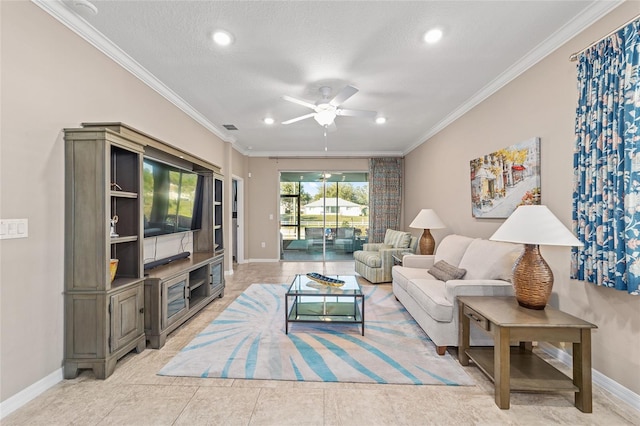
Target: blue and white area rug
(248, 341)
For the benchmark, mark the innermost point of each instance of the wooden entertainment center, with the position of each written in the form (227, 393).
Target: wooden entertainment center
(177, 291)
(107, 318)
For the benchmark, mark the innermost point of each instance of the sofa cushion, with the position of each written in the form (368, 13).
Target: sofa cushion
(490, 260)
(402, 275)
(370, 258)
(397, 239)
(451, 249)
(431, 295)
(445, 272)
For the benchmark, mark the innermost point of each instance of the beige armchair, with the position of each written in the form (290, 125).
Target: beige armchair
(375, 260)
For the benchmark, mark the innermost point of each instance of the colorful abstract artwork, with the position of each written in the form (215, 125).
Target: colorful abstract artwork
(505, 179)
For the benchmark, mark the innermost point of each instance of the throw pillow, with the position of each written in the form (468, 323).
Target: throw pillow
(490, 260)
(451, 249)
(443, 271)
(397, 239)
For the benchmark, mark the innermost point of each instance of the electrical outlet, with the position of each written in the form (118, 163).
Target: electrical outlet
(263, 244)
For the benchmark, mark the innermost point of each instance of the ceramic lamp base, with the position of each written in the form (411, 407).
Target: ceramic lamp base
(532, 279)
(427, 243)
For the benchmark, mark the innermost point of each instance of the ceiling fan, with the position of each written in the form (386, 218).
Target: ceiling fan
(326, 110)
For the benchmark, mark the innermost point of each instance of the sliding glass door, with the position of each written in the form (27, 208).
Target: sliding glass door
(323, 215)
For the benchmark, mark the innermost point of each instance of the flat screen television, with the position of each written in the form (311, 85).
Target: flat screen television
(172, 198)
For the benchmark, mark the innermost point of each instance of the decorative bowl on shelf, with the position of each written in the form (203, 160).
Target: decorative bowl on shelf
(113, 267)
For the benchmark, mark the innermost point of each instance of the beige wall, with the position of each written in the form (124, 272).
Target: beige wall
(52, 79)
(540, 103)
(263, 195)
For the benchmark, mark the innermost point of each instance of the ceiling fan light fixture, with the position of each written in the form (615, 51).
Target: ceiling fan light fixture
(268, 120)
(325, 117)
(222, 37)
(381, 120)
(433, 36)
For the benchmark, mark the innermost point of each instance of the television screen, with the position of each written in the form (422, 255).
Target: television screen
(171, 198)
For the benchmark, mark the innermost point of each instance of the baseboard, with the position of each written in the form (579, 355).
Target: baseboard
(626, 395)
(263, 260)
(24, 396)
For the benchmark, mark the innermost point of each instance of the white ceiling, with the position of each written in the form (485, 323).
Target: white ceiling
(295, 47)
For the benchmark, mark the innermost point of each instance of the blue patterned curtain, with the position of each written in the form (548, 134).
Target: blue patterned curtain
(385, 196)
(606, 197)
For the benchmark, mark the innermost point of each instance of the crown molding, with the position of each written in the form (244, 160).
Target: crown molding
(574, 27)
(60, 11)
(324, 154)
(71, 20)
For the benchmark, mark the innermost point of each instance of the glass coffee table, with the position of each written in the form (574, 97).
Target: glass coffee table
(309, 301)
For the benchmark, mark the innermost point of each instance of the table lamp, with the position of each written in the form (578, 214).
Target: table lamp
(427, 219)
(533, 225)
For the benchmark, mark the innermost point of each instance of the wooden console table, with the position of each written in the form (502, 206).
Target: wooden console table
(518, 368)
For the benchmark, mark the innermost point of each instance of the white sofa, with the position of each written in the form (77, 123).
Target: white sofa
(432, 302)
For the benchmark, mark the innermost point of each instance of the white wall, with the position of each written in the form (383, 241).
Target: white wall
(540, 103)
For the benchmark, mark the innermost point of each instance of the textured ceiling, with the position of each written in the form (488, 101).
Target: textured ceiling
(294, 48)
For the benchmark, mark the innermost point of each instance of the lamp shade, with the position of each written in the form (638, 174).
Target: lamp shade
(427, 219)
(532, 276)
(535, 225)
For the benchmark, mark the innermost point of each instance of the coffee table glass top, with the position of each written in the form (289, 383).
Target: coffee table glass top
(304, 286)
(315, 302)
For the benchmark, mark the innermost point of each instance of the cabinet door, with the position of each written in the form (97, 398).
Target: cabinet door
(127, 316)
(174, 299)
(217, 276)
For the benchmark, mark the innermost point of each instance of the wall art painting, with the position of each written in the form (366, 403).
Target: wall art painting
(505, 179)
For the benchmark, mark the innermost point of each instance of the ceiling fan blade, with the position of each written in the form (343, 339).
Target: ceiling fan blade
(355, 113)
(344, 94)
(299, 102)
(302, 117)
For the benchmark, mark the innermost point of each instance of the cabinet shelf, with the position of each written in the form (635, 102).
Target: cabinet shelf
(124, 194)
(528, 372)
(195, 301)
(196, 283)
(124, 239)
(123, 282)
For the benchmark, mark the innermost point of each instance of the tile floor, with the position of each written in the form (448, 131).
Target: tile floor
(135, 395)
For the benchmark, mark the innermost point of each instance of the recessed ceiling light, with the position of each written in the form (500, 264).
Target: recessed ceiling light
(86, 5)
(268, 120)
(381, 120)
(433, 36)
(222, 37)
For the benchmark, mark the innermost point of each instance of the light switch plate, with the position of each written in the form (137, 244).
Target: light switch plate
(14, 228)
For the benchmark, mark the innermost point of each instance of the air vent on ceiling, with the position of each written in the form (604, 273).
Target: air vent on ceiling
(229, 127)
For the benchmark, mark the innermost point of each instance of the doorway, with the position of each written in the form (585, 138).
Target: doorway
(237, 220)
(324, 215)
